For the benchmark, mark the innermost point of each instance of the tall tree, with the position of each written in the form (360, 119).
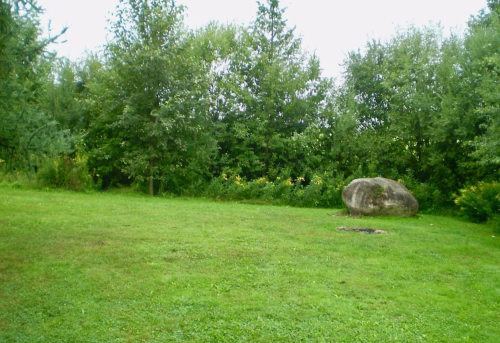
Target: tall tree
(483, 65)
(153, 121)
(280, 91)
(27, 133)
(414, 100)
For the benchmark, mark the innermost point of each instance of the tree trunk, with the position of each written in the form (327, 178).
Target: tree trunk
(151, 189)
(266, 152)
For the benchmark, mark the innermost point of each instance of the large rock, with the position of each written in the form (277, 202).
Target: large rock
(379, 197)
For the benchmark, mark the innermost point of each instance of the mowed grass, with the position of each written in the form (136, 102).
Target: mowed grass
(116, 268)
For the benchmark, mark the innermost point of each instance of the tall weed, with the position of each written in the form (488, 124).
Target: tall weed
(66, 172)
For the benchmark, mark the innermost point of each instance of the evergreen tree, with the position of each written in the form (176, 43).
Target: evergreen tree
(280, 93)
(27, 133)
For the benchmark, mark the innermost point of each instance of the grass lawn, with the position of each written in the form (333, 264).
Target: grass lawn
(120, 268)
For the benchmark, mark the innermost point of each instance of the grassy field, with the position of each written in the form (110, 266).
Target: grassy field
(117, 268)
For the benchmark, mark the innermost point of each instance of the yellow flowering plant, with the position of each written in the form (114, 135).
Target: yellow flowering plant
(480, 202)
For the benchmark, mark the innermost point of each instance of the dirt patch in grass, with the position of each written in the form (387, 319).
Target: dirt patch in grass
(365, 230)
(97, 243)
(348, 215)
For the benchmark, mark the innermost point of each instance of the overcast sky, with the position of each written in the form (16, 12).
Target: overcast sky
(330, 28)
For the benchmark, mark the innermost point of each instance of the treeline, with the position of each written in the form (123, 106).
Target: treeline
(243, 111)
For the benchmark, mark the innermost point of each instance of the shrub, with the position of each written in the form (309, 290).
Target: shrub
(228, 188)
(311, 197)
(332, 192)
(322, 191)
(65, 172)
(216, 188)
(425, 194)
(15, 179)
(283, 190)
(480, 203)
(261, 189)
(430, 198)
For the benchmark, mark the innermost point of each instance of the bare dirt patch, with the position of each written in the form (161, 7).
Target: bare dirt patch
(365, 230)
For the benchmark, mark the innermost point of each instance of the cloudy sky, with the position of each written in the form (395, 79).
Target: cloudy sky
(330, 28)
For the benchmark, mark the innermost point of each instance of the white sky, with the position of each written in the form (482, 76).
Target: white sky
(329, 28)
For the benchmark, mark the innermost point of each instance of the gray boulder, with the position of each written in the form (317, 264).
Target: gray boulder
(379, 197)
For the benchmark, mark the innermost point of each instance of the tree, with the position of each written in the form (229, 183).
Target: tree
(153, 124)
(280, 92)
(414, 99)
(483, 63)
(64, 94)
(27, 133)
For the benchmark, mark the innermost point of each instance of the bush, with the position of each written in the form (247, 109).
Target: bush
(480, 203)
(216, 189)
(426, 195)
(15, 179)
(322, 190)
(430, 198)
(65, 172)
(228, 188)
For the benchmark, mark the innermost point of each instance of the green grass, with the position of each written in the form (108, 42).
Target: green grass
(116, 268)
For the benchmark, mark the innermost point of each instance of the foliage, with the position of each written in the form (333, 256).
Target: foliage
(321, 191)
(278, 93)
(152, 91)
(482, 45)
(64, 95)
(480, 202)
(67, 173)
(416, 111)
(27, 133)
